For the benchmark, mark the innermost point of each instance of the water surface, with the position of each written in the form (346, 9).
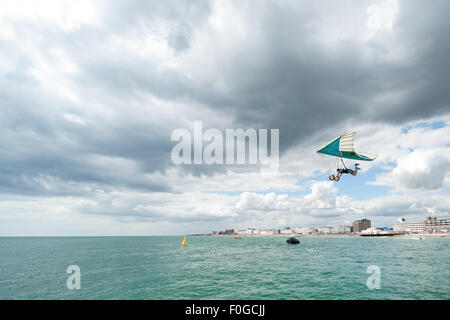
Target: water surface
(250, 268)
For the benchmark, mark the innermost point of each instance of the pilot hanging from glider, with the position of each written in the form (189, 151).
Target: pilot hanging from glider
(342, 147)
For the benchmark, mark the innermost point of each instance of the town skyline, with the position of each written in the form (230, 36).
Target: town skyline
(400, 225)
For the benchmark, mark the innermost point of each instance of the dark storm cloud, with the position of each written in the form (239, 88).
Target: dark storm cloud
(425, 32)
(284, 78)
(282, 75)
(182, 17)
(42, 165)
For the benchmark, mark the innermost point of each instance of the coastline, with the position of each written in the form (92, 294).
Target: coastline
(406, 235)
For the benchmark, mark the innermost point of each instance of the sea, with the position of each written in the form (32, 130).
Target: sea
(221, 267)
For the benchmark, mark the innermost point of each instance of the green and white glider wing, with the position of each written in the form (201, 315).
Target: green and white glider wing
(342, 147)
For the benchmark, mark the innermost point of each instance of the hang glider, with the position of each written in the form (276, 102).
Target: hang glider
(342, 147)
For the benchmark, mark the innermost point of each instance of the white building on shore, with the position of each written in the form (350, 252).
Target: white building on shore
(409, 227)
(257, 232)
(305, 230)
(324, 230)
(430, 225)
(286, 230)
(248, 232)
(341, 229)
(433, 224)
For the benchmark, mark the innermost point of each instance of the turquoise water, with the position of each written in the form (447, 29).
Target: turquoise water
(250, 268)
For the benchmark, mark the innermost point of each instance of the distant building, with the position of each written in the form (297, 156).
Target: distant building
(226, 232)
(376, 232)
(305, 230)
(370, 231)
(360, 225)
(324, 230)
(266, 232)
(409, 227)
(430, 225)
(433, 224)
(341, 229)
(286, 230)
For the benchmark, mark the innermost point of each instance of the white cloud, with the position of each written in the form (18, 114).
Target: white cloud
(264, 202)
(421, 169)
(415, 158)
(323, 195)
(68, 15)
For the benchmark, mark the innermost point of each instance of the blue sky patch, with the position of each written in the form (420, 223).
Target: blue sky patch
(431, 125)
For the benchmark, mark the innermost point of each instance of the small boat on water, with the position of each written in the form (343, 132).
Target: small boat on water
(238, 237)
(293, 240)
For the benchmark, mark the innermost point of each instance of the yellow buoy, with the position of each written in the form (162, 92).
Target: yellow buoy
(214, 252)
(184, 242)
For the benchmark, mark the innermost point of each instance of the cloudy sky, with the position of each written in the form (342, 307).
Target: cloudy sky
(90, 92)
